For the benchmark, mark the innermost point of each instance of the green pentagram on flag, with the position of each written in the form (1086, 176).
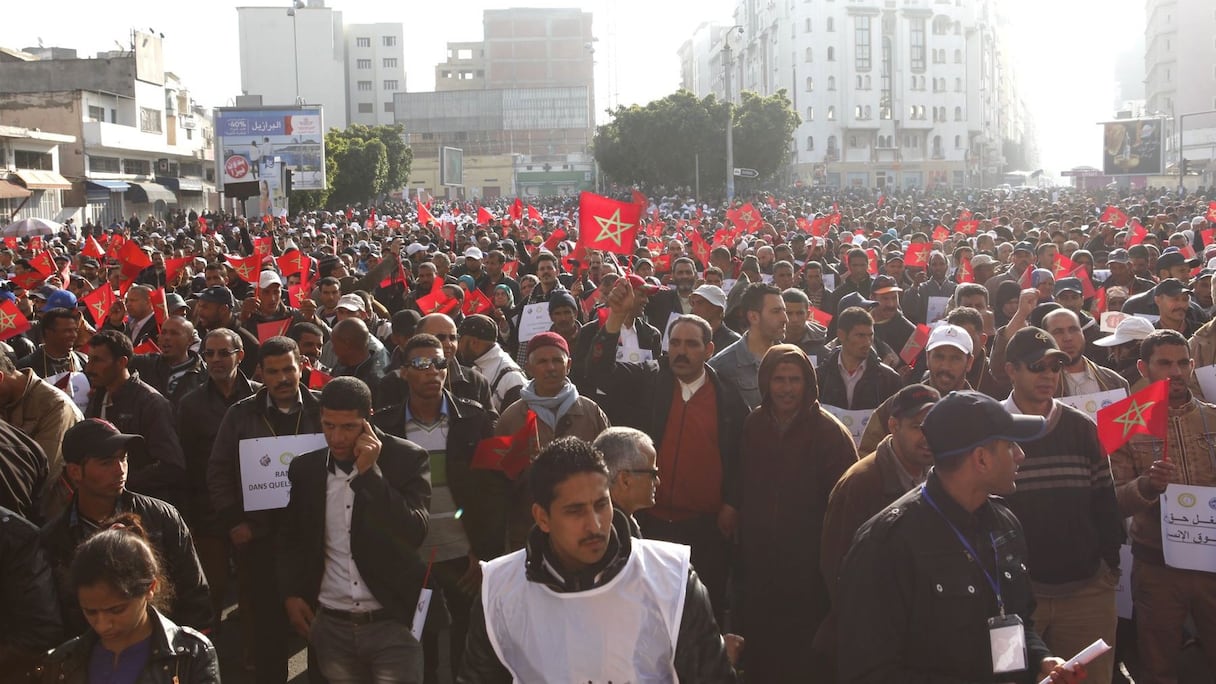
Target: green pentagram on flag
(606, 224)
(1134, 417)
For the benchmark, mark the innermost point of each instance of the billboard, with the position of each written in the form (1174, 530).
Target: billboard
(252, 142)
(451, 167)
(1133, 147)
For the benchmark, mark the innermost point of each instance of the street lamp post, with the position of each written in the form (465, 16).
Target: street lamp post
(1182, 149)
(296, 5)
(732, 34)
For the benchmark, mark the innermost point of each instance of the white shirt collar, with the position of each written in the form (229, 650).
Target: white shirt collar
(687, 389)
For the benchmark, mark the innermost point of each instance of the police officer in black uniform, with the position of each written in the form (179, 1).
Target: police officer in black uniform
(934, 588)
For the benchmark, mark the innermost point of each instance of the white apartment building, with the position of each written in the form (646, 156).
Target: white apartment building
(375, 71)
(918, 93)
(295, 54)
(1180, 75)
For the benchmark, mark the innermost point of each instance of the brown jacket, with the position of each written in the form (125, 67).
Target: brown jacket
(44, 413)
(1107, 379)
(1195, 456)
(1203, 353)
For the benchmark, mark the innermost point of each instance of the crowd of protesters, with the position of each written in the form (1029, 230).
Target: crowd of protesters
(645, 464)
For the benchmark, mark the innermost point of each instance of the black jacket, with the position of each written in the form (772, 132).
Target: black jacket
(388, 523)
(649, 339)
(463, 382)
(45, 368)
(480, 494)
(179, 655)
(643, 392)
(29, 612)
(700, 654)
(138, 409)
(169, 536)
(199, 415)
(23, 472)
(156, 371)
(249, 342)
(913, 607)
(878, 382)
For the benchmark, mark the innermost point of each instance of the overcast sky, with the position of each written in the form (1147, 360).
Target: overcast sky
(1064, 48)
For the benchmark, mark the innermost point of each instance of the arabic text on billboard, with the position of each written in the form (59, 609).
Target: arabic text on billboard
(250, 141)
(1132, 147)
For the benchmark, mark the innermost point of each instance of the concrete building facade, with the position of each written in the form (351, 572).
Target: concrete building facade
(1180, 76)
(31, 185)
(375, 72)
(921, 94)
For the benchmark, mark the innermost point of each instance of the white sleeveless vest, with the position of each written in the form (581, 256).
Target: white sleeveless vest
(622, 632)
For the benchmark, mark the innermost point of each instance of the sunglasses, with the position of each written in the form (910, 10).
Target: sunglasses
(428, 362)
(221, 353)
(1046, 367)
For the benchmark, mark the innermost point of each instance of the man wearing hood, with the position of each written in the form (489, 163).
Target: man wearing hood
(793, 453)
(586, 602)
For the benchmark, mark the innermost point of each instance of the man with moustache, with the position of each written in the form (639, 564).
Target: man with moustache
(1173, 301)
(1081, 376)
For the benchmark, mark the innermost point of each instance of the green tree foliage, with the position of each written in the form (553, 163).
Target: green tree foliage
(362, 163)
(658, 144)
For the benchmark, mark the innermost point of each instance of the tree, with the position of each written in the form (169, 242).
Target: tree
(665, 141)
(362, 163)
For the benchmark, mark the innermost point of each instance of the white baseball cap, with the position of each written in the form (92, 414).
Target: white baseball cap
(952, 335)
(474, 253)
(1130, 329)
(268, 279)
(712, 294)
(414, 248)
(351, 302)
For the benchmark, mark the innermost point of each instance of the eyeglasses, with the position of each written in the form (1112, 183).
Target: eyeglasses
(447, 338)
(221, 353)
(653, 472)
(1046, 367)
(428, 362)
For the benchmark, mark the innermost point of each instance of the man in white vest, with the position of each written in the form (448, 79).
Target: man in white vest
(585, 602)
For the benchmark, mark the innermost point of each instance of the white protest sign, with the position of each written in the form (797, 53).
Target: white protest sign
(829, 281)
(420, 611)
(1110, 321)
(75, 385)
(855, 421)
(1091, 403)
(1123, 592)
(1207, 382)
(1101, 274)
(667, 329)
(936, 308)
(766, 278)
(1188, 527)
(534, 320)
(632, 354)
(264, 463)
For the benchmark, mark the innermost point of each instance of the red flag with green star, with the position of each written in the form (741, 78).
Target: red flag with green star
(1143, 413)
(607, 224)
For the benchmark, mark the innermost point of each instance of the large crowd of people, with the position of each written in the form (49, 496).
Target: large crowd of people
(807, 436)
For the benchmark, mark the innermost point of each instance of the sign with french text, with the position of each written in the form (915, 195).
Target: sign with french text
(264, 462)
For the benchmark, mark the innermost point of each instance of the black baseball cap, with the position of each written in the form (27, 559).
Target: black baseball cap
(219, 295)
(1170, 287)
(1068, 285)
(913, 399)
(96, 438)
(479, 327)
(1118, 256)
(964, 420)
(1030, 344)
(884, 284)
(855, 299)
(1170, 259)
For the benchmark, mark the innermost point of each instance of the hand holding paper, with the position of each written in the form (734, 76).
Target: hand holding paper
(1074, 669)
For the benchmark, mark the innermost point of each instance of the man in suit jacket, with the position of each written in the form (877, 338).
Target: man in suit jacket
(140, 320)
(349, 567)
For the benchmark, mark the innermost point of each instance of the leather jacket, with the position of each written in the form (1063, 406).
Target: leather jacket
(180, 655)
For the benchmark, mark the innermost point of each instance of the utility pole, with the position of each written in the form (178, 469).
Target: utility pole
(730, 124)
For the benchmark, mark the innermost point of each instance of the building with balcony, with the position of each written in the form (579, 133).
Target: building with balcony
(140, 145)
(1180, 77)
(30, 183)
(915, 94)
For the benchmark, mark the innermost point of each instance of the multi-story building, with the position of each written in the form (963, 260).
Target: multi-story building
(1180, 79)
(375, 72)
(140, 145)
(30, 183)
(919, 94)
(295, 55)
(521, 100)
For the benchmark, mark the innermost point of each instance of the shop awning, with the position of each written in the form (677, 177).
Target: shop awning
(181, 184)
(150, 193)
(108, 185)
(42, 180)
(12, 190)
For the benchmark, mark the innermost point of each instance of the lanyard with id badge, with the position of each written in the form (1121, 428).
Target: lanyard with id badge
(1006, 633)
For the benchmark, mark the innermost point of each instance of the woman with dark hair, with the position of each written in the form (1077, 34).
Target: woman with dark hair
(1005, 303)
(121, 589)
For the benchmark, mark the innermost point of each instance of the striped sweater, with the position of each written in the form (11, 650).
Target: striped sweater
(1065, 500)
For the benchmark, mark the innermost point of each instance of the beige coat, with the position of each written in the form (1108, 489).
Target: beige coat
(44, 413)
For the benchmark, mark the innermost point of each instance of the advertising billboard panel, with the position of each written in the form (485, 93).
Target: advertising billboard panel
(1133, 147)
(252, 142)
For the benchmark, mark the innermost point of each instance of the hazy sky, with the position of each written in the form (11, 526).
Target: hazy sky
(1064, 49)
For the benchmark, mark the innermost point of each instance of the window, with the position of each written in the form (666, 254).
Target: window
(868, 112)
(857, 112)
(861, 47)
(810, 113)
(867, 82)
(831, 144)
(363, 64)
(918, 44)
(831, 54)
(97, 113)
(831, 83)
(363, 42)
(810, 55)
(958, 56)
(366, 108)
(810, 143)
(808, 24)
(149, 120)
(388, 107)
(958, 142)
(810, 84)
(859, 81)
(831, 24)
(937, 146)
(105, 165)
(388, 41)
(389, 63)
(831, 113)
(390, 84)
(365, 85)
(958, 84)
(958, 113)
(853, 141)
(137, 167)
(39, 161)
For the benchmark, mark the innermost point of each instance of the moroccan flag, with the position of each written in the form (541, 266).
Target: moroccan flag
(1211, 215)
(484, 217)
(965, 273)
(1114, 216)
(940, 234)
(1208, 234)
(1063, 267)
(133, 259)
(99, 302)
(966, 227)
(11, 243)
(424, 215)
(510, 454)
(147, 347)
(12, 321)
(44, 264)
(640, 199)
(159, 307)
(317, 379)
(438, 301)
(747, 217)
(662, 263)
(607, 224)
(820, 226)
(475, 302)
(1143, 413)
(554, 238)
(516, 212)
(534, 214)
(698, 247)
(248, 268)
(918, 255)
(36, 243)
(295, 262)
(821, 317)
(175, 266)
(398, 276)
(873, 257)
(1135, 234)
(1087, 284)
(511, 269)
(1027, 280)
(92, 248)
(1100, 301)
(272, 329)
(915, 344)
(262, 246)
(296, 294)
(964, 215)
(28, 280)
